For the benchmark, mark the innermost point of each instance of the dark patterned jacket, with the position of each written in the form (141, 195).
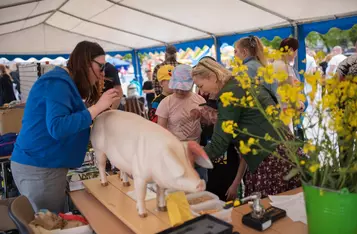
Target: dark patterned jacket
(348, 66)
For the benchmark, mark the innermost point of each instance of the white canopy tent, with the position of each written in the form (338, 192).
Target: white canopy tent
(56, 26)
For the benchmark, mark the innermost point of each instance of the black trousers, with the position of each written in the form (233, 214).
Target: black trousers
(222, 175)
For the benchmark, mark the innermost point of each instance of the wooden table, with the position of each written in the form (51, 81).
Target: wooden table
(103, 221)
(99, 217)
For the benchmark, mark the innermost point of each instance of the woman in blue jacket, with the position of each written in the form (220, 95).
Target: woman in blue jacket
(56, 126)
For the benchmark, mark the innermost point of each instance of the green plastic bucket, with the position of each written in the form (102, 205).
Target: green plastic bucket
(330, 212)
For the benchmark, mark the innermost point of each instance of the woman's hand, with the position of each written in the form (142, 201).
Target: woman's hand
(232, 192)
(195, 114)
(233, 189)
(104, 102)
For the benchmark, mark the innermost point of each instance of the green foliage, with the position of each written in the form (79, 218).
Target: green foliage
(352, 33)
(275, 43)
(312, 39)
(333, 38)
(142, 56)
(127, 57)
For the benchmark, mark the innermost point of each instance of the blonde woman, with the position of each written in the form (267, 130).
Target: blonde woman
(211, 77)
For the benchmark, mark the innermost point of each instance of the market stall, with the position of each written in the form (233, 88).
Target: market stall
(42, 31)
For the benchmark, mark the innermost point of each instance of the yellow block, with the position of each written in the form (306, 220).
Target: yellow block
(178, 208)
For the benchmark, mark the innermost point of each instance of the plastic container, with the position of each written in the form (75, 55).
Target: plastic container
(223, 214)
(202, 224)
(336, 210)
(201, 194)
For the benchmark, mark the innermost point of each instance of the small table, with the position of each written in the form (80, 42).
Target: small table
(3, 161)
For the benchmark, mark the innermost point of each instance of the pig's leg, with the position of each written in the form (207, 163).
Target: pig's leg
(160, 197)
(126, 182)
(140, 192)
(102, 161)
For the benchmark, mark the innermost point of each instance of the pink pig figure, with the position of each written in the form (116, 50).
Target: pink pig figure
(149, 153)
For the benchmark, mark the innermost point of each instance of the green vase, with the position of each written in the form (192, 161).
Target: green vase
(330, 212)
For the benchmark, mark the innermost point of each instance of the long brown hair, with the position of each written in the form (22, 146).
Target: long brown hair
(78, 64)
(5, 71)
(254, 46)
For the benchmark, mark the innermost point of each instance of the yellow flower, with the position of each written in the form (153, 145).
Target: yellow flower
(280, 76)
(269, 110)
(352, 91)
(302, 162)
(283, 92)
(313, 168)
(251, 141)
(287, 115)
(239, 69)
(243, 101)
(267, 73)
(275, 54)
(254, 151)
(309, 147)
(251, 104)
(229, 127)
(312, 80)
(228, 98)
(291, 94)
(244, 149)
(272, 110)
(244, 80)
(329, 101)
(353, 120)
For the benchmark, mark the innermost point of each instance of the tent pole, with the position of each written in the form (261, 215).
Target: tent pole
(217, 47)
(19, 4)
(296, 36)
(302, 49)
(137, 67)
(27, 18)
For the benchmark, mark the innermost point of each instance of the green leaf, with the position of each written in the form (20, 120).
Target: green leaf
(291, 174)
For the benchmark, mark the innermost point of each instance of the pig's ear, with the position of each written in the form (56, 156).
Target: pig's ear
(197, 155)
(173, 165)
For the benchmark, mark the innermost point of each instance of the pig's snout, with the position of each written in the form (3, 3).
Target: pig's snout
(201, 186)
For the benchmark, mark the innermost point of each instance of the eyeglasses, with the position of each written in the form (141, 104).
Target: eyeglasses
(101, 65)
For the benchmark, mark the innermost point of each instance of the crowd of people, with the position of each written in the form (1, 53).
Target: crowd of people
(63, 103)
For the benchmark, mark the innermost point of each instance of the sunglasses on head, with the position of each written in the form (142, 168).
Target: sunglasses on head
(101, 65)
